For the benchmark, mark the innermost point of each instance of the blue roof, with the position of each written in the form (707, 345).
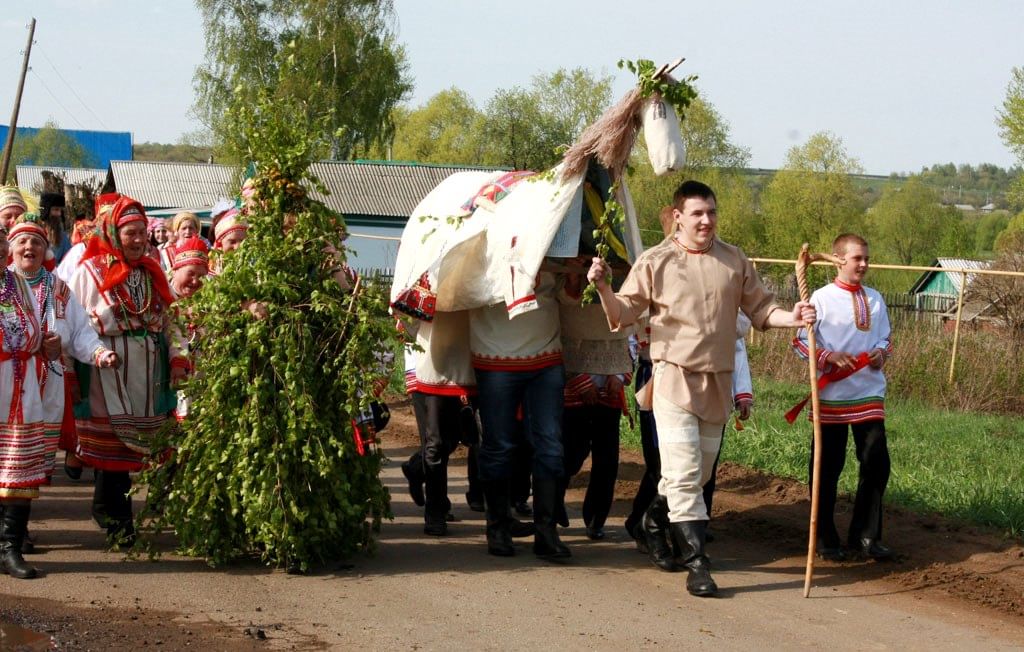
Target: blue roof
(103, 146)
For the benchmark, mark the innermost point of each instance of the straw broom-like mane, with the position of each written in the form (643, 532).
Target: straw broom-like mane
(610, 139)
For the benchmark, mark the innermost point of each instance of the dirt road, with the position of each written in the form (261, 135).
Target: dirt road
(953, 588)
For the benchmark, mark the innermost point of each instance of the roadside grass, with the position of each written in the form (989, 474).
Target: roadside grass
(967, 466)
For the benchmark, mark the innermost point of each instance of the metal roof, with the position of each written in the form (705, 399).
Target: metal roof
(30, 177)
(953, 277)
(170, 185)
(380, 188)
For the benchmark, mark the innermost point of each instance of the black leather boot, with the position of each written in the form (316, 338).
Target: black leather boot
(654, 527)
(120, 518)
(496, 505)
(99, 499)
(547, 498)
(690, 535)
(13, 526)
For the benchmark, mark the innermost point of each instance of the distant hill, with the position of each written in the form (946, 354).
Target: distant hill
(174, 153)
(964, 184)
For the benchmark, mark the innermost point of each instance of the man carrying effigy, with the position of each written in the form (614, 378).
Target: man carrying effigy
(692, 285)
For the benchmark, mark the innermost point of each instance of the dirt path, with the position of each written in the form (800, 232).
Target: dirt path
(953, 588)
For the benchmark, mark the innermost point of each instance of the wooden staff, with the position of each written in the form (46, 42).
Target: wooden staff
(804, 261)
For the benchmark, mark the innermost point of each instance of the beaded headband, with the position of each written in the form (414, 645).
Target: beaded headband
(190, 252)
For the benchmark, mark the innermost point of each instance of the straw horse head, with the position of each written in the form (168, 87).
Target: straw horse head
(479, 238)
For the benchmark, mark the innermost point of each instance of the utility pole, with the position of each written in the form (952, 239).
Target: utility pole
(9, 145)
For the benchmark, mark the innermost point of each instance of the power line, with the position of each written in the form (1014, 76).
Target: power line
(57, 100)
(70, 88)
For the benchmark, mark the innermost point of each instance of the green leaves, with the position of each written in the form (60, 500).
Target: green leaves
(265, 465)
(679, 93)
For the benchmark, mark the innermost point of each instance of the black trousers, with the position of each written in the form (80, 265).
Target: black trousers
(873, 454)
(441, 421)
(593, 430)
(648, 488)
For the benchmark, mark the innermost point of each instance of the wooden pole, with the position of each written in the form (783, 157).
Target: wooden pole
(802, 263)
(956, 330)
(804, 260)
(9, 145)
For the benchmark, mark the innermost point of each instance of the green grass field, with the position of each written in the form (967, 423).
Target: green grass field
(963, 465)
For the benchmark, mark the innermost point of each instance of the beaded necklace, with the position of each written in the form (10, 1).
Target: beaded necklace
(42, 283)
(140, 293)
(16, 339)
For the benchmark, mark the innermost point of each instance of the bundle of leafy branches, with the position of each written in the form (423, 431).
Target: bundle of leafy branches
(266, 465)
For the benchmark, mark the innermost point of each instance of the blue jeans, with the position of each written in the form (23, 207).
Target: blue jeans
(500, 394)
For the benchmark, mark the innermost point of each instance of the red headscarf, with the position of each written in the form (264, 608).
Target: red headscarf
(107, 242)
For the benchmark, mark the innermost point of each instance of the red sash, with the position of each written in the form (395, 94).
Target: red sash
(861, 361)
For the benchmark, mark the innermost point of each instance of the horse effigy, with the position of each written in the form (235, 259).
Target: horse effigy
(479, 238)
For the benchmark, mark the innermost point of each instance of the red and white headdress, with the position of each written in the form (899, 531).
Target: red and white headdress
(192, 251)
(229, 222)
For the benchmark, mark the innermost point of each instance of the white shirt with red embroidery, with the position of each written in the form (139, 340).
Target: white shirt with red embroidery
(851, 319)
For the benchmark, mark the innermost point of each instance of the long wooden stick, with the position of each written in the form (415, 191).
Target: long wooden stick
(804, 261)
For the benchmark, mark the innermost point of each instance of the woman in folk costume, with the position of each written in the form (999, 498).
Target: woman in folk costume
(229, 230)
(158, 235)
(126, 295)
(22, 440)
(58, 313)
(190, 268)
(184, 225)
(12, 205)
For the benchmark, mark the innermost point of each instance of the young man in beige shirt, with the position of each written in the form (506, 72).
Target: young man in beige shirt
(692, 285)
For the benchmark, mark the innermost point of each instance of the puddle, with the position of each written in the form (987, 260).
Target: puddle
(13, 637)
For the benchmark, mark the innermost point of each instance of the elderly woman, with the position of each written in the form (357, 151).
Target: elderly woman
(126, 295)
(184, 225)
(22, 447)
(60, 315)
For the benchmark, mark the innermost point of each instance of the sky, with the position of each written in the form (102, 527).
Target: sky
(903, 84)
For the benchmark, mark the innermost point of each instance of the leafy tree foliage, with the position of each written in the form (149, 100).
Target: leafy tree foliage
(1011, 125)
(812, 198)
(447, 129)
(266, 464)
(909, 226)
(343, 67)
(1012, 237)
(50, 146)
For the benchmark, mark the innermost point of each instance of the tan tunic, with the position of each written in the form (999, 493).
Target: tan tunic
(693, 299)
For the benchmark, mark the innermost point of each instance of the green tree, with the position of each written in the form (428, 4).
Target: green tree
(267, 464)
(812, 198)
(50, 146)
(908, 225)
(338, 59)
(525, 128)
(447, 129)
(1011, 126)
(988, 228)
(1012, 237)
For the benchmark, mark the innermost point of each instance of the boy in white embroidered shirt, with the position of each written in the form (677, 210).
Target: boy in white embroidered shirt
(852, 335)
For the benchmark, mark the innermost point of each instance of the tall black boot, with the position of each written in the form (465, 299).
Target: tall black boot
(99, 499)
(654, 527)
(496, 502)
(120, 518)
(690, 535)
(28, 544)
(547, 500)
(13, 526)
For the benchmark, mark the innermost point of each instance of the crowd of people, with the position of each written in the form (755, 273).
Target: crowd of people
(551, 382)
(91, 352)
(91, 356)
